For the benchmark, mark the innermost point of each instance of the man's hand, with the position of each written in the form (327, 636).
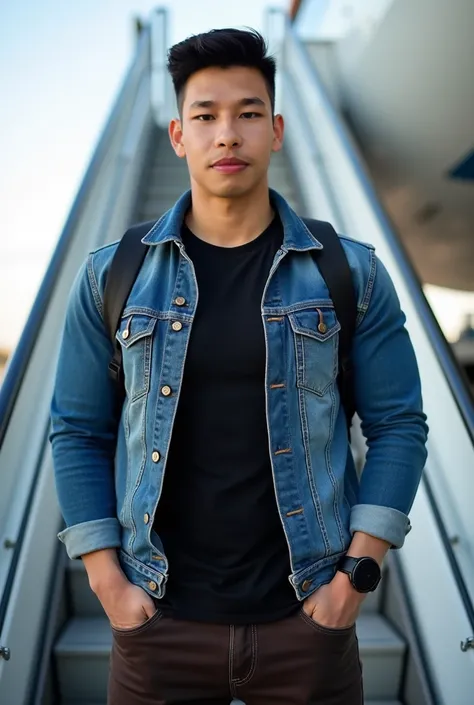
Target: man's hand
(126, 605)
(335, 605)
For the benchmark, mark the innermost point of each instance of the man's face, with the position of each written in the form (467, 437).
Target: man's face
(227, 115)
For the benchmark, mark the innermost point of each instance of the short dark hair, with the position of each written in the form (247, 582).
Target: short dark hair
(223, 48)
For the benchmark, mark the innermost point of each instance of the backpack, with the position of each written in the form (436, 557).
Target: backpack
(332, 264)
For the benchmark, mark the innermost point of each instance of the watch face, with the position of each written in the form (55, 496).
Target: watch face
(366, 575)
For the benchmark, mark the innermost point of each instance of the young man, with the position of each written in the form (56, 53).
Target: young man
(222, 577)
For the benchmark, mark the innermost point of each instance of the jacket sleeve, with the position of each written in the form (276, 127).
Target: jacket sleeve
(389, 403)
(84, 424)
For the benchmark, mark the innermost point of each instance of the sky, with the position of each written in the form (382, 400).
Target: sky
(61, 65)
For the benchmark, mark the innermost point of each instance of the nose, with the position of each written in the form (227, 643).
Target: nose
(228, 136)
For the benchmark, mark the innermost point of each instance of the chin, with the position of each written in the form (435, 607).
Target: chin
(232, 190)
(231, 187)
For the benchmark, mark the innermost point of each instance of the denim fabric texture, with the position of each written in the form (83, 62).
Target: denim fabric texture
(109, 485)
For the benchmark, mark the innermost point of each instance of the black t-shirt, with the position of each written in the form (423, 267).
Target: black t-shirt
(217, 516)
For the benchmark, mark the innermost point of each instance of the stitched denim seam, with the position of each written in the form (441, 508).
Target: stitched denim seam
(94, 286)
(160, 315)
(309, 470)
(369, 288)
(181, 373)
(147, 356)
(140, 474)
(297, 307)
(126, 426)
(332, 478)
(285, 530)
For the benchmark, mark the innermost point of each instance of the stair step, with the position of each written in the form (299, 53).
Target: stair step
(82, 656)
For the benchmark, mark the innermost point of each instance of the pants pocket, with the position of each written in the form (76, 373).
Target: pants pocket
(321, 629)
(140, 628)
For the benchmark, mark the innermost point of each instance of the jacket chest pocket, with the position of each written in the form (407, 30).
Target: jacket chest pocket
(316, 346)
(135, 336)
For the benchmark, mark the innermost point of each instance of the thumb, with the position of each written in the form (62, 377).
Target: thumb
(148, 607)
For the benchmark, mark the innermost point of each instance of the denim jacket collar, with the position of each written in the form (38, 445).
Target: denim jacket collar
(296, 235)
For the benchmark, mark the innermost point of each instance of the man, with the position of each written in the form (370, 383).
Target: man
(223, 577)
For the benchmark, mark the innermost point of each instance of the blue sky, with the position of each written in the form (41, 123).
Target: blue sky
(61, 64)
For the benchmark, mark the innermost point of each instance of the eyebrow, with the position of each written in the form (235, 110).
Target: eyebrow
(254, 100)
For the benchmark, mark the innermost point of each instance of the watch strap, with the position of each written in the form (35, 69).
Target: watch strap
(347, 564)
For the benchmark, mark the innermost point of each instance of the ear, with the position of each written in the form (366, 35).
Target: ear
(278, 131)
(175, 132)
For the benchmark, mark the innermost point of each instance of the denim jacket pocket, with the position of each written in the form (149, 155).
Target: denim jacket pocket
(316, 347)
(135, 335)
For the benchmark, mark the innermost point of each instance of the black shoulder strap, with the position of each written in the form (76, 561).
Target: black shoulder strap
(334, 267)
(123, 271)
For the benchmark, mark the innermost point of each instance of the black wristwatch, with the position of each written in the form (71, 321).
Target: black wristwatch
(364, 573)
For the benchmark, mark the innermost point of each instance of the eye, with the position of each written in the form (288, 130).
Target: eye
(204, 118)
(248, 116)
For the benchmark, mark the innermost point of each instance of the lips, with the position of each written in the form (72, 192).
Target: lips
(230, 165)
(232, 161)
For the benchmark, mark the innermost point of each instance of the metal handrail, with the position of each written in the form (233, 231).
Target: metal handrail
(448, 547)
(19, 361)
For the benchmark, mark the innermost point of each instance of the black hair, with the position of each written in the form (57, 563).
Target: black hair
(223, 48)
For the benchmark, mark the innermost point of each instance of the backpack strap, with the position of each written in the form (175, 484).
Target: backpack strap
(123, 271)
(334, 267)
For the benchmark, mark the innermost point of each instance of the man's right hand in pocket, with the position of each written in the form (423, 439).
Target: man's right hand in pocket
(126, 605)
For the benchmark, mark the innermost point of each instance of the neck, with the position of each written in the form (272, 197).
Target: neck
(229, 222)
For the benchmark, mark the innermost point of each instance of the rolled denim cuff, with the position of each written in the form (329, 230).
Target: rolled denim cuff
(384, 523)
(91, 536)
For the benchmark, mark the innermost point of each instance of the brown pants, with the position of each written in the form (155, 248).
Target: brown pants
(290, 662)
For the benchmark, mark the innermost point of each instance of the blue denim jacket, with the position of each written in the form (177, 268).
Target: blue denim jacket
(109, 487)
